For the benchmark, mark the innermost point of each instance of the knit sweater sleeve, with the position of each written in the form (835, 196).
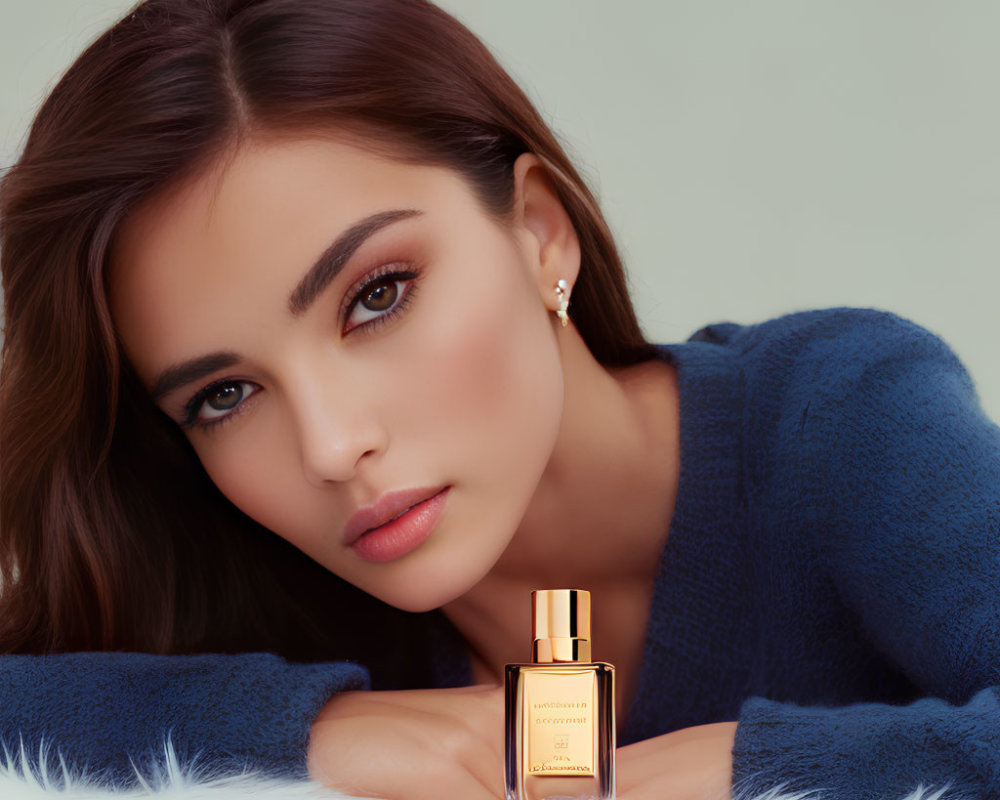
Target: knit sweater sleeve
(897, 472)
(111, 715)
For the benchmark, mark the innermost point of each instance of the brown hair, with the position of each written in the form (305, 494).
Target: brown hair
(112, 537)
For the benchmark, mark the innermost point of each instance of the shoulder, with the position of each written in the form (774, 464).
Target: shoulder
(834, 393)
(831, 361)
(857, 338)
(855, 403)
(868, 457)
(864, 431)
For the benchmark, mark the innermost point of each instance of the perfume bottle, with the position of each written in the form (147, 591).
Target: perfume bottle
(560, 708)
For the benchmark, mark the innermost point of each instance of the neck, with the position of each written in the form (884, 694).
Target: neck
(600, 515)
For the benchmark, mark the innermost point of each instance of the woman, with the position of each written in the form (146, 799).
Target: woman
(300, 268)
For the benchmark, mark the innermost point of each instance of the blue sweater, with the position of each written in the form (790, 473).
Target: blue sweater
(831, 580)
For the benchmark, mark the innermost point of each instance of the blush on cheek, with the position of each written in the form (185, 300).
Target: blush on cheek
(496, 369)
(475, 362)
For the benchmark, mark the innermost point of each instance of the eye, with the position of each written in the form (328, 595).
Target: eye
(381, 296)
(379, 299)
(217, 402)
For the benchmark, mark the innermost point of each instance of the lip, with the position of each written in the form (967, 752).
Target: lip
(402, 534)
(386, 508)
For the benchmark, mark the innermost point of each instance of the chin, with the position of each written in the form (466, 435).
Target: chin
(434, 583)
(424, 593)
(416, 600)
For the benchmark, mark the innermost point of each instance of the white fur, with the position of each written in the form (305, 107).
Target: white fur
(21, 780)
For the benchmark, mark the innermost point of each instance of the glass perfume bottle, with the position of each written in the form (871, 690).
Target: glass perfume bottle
(560, 708)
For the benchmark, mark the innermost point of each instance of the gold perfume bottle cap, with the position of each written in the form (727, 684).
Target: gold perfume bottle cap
(560, 621)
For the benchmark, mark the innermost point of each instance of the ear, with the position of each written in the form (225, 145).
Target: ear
(545, 230)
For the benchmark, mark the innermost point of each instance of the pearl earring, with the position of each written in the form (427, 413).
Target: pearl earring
(562, 289)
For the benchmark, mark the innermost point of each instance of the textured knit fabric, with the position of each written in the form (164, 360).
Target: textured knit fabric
(831, 580)
(834, 556)
(112, 713)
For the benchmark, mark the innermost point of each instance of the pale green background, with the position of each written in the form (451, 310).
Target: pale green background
(754, 158)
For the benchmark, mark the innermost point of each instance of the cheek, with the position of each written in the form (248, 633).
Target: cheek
(243, 471)
(492, 386)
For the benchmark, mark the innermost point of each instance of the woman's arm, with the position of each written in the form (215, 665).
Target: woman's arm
(873, 749)
(689, 764)
(111, 715)
(105, 712)
(422, 744)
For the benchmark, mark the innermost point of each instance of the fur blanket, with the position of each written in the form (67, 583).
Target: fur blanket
(20, 779)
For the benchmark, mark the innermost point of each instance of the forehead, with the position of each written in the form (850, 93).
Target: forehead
(269, 180)
(188, 263)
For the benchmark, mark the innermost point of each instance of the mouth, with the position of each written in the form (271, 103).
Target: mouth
(388, 508)
(405, 510)
(403, 533)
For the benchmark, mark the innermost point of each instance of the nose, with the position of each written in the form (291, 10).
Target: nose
(338, 431)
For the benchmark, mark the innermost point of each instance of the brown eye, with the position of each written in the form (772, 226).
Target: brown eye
(381, 297)
(379, 300)
(225, 398)
(217, 402)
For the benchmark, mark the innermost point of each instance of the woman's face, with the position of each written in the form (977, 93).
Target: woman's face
(425, 357)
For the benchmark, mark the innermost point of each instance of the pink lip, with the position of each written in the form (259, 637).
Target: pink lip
(404, 533)
(386, 508)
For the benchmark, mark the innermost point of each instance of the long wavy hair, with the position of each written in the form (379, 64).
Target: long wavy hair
(112, 536)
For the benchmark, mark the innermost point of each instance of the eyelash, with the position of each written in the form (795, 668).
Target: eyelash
(378, 276)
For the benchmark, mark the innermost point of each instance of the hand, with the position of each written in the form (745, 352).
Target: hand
(421, 744)
(690, 764)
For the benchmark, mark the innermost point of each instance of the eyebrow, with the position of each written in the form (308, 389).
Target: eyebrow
(327, 267)
(181, 374)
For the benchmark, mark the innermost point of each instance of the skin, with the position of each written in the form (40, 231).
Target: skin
(562, 472)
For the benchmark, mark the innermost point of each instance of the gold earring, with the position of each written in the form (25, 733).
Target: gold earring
(562, 289)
